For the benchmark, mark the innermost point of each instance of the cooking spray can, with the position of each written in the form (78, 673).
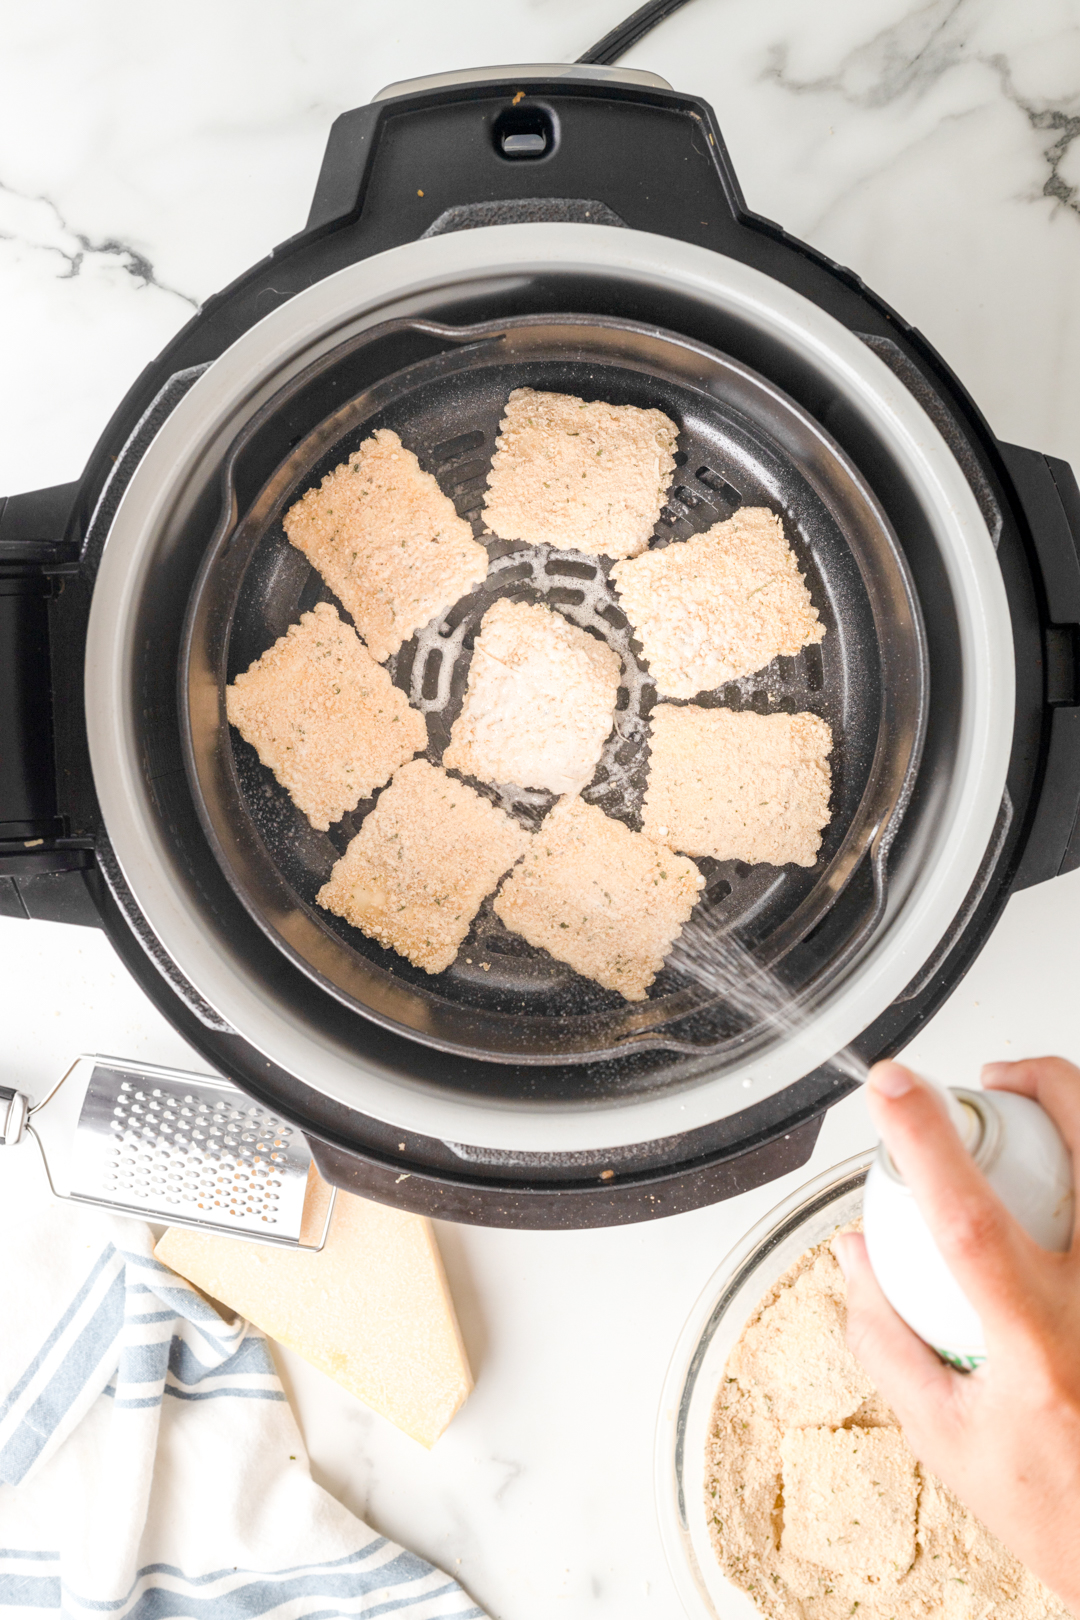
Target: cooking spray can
(1019, 1150)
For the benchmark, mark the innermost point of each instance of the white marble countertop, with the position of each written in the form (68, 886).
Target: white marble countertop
(148, 155)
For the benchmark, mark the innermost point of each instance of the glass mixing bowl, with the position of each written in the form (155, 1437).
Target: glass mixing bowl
(729, 1299)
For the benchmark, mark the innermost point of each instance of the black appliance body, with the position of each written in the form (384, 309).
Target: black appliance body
(581, 229)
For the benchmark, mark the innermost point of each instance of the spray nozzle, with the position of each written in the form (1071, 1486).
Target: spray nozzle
(976, 1125)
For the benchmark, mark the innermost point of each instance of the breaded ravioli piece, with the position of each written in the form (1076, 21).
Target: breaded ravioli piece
(588, 477)
(850, 1499)
(415, 874)
(719, 605)
(387, 541)
(738, 786)
(324, 716)
(599, 897)
(539, 704)
(825, 1385)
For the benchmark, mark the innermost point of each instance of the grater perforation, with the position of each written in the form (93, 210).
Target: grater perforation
(197, 1157)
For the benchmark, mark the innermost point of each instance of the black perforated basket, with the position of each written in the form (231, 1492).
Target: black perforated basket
(741, 442)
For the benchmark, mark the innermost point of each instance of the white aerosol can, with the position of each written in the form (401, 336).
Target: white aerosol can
(1019, 1150)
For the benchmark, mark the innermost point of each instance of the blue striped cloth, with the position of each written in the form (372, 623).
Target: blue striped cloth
(151, 1464)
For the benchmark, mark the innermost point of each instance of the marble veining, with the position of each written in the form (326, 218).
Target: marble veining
(37, 224)
(912, 55)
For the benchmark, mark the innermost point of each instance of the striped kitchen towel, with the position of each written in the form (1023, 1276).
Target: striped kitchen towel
(150, 1461)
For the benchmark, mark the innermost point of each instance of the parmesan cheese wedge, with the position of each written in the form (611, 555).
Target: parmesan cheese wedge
(371, 1309)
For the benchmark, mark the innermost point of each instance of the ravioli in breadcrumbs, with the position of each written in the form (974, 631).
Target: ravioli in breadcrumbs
(719, 605)
(822, 1390)
(540, 701)
(600, 897)
(415, 874)
(387, 541)
(324, 716)
(738, 786)
(588, 477)
(850, 1500)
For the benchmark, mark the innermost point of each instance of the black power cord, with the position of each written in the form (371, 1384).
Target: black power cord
(616, 43)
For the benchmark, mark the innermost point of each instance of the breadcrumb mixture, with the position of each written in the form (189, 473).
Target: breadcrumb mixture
(816, 1505)
(387, 541)
(719, 605)
(600, 897)
(324, 716)
(739, 786)
(539, 704)
(415, 874)
(589, 477)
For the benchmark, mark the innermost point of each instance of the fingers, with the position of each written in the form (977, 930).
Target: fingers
(916, 1384)
(987, 1252)
(1051, 1081)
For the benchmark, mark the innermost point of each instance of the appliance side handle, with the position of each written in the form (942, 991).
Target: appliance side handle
(1050, 499)
(43, 873)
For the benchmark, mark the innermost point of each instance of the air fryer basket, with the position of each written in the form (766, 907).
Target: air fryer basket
(741, 442)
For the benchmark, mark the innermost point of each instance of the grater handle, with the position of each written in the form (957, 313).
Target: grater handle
(14, 1107)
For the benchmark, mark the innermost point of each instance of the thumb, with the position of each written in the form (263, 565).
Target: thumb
(907, 1373)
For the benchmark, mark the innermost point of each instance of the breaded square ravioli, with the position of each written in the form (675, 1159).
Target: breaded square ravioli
(387, 541)
(738, 786)
(416, 872)
(600, 897)
(850, 1498)
(539, 704)
(324, 716)
(586, 477)
(719, 605)
(824, 1385)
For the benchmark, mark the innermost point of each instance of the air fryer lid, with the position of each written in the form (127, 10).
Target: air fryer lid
(443, 389)
(160, 535)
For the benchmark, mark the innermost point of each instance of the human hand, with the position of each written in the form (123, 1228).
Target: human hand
(1005, 1438)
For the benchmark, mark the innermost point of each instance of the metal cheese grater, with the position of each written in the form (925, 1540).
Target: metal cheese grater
(164, 1145)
